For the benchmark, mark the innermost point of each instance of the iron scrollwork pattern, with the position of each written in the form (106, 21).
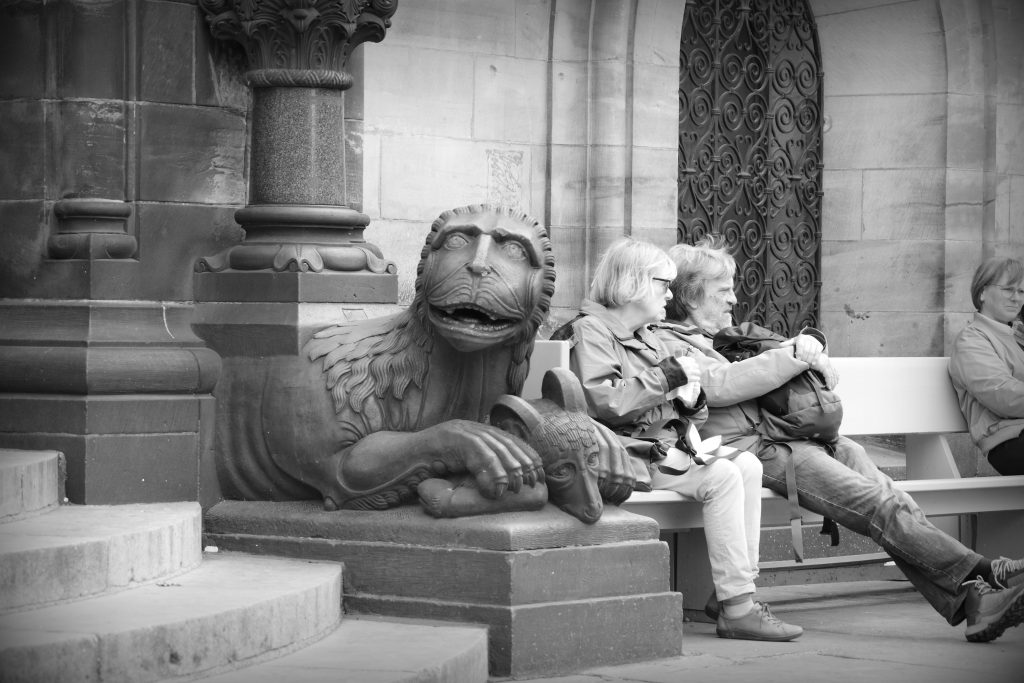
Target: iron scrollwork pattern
(750, 150)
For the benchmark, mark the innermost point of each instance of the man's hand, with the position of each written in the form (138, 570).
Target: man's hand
(805, 348)
(827, 370)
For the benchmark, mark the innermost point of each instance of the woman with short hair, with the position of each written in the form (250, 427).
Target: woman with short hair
(650, 398)
(987, 364)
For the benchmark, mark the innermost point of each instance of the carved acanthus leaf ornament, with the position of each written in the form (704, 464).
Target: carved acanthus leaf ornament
(299, 42)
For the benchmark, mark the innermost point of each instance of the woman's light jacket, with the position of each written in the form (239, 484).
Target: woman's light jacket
(987, 370)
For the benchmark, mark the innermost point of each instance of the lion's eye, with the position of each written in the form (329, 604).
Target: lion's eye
(455, 241)
(513, 250)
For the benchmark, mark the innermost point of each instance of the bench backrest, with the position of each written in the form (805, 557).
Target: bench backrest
(883, 395)
(897, 395)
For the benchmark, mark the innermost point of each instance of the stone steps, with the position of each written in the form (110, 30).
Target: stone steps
(125, 593)
(370, 650)
(29, 482)
(75, 551)
(230, 609)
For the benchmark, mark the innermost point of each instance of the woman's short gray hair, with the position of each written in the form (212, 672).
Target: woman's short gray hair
(625, 272)
(993, 270)
(696, 265)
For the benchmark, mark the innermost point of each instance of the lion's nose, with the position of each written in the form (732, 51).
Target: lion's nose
(480, 264)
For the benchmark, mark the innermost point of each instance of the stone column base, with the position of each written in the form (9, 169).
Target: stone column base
(119, 449)
(122, 388)
(558, 595)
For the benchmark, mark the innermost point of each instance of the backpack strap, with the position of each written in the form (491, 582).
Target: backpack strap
(566, 331)
(795, 519)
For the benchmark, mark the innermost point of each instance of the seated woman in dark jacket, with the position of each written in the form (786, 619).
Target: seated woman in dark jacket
(987, 365)
(651, 398)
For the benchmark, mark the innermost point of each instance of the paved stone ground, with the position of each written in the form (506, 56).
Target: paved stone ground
(874, 631)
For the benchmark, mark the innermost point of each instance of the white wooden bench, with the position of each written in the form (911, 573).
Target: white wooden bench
(909, 396)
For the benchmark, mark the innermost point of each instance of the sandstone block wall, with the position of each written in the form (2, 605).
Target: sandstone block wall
(570, 109)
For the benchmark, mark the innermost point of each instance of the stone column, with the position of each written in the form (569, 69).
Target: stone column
(303, 238)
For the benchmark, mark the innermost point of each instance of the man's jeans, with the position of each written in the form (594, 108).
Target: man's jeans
(851, 490)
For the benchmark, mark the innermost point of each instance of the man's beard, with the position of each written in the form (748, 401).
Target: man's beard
(711, 324)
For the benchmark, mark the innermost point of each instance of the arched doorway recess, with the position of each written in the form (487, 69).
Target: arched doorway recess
(750, 150)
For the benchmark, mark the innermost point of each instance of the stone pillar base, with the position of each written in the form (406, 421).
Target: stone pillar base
(558, 595)
(119, 449)
(122, 388)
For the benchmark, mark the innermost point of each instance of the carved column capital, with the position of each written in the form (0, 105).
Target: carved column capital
(303, 43)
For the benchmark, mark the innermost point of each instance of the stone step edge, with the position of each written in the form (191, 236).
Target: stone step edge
(163, 635)
(105, 549)
(424, 651)
(31, 482)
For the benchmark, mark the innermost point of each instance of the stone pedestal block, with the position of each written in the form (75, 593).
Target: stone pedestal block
(557, 595)
(118, 449)
(123, 389)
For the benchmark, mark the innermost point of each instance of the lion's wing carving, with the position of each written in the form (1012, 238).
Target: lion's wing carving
(368, 366)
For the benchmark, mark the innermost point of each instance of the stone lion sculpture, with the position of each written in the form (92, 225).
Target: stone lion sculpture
(370, 409)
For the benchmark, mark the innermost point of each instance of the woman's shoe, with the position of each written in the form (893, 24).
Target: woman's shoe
(757, 624)
(712, 608)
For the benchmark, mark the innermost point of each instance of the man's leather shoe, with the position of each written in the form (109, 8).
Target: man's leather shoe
(757, 624)
(990, 611)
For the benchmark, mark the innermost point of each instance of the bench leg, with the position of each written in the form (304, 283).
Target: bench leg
(929, 457)
(692, 572)
(999, 534)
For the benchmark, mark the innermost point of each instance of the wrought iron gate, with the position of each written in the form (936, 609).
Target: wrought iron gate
(750, 155)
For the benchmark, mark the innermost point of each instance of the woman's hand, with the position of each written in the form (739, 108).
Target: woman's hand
(689, 392)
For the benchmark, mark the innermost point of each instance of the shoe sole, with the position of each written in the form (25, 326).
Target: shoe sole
(739, 635)
(1013, 616)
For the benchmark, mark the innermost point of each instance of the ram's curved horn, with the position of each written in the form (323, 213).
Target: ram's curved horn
(513, 413)
(561, 386)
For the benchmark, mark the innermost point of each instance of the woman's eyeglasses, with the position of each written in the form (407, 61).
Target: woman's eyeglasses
(664, 282)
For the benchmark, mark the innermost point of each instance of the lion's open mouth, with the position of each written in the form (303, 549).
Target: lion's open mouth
(475, 317)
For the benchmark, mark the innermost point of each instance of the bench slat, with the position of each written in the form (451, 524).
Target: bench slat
(672, 511)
